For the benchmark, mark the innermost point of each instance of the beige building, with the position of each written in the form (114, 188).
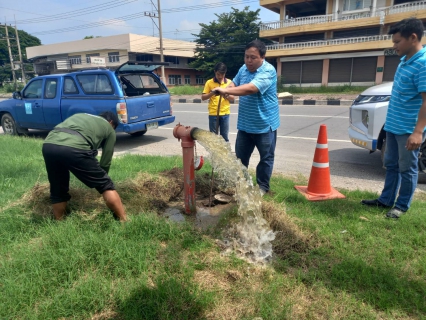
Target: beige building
(335, 42)
(112, 51)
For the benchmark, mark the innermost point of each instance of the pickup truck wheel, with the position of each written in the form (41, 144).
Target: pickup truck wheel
(138, 133)
(9, 125)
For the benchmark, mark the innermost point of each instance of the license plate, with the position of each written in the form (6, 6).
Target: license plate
(152, 125)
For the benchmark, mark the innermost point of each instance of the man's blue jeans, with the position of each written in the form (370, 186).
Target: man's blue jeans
(265, 144)
(401, 172)
(223, 125)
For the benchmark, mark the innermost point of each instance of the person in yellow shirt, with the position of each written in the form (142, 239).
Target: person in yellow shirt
(218, 81)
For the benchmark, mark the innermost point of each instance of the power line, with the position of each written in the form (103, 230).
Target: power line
(78, 12)
(139, 15)
(47, 16)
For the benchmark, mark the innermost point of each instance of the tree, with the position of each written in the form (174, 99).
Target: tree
(224, 40)
(25, 40)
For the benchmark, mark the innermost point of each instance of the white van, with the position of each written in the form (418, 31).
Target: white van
(367, 116)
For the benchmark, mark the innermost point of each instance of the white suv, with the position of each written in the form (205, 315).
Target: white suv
(367, 116)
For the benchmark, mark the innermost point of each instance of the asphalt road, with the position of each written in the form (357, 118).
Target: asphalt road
(351, 167)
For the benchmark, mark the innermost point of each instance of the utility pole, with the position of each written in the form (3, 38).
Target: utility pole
(158, 15)
(10, 56)
(161, 42)
(20, 55)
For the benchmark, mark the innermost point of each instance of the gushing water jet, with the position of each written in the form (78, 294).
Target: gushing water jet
(252, 235)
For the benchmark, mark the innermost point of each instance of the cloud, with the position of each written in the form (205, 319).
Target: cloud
(115, 24)
(188, 25)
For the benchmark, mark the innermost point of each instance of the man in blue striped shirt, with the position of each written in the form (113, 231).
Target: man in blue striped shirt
(258, 111)
(405, 120)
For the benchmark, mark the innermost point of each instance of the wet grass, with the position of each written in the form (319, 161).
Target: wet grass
(334, 259)
(186, 90)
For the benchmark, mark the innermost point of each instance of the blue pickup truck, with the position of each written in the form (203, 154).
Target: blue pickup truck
(138, 96)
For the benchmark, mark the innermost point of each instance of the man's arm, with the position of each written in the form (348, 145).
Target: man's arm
(207, 93)
(243, 90)
(206, 96)
(415, 140)
(107, 152)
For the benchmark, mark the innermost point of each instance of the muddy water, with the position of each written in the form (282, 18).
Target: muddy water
(251, 236)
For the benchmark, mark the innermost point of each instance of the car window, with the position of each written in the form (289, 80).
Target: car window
(95, 83)
(103, 85)
(69, 85)
(50, 88)
(149, 82)
(34, 89)
(141, 81)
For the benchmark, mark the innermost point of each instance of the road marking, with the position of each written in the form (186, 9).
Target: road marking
(301, 115)
(281, 115)
(284, 137)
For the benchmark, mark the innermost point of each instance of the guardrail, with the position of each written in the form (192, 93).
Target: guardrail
(296, 22)
(359, 39)
(406, 7)
(380, 12)
(296, 45)
(330, 42)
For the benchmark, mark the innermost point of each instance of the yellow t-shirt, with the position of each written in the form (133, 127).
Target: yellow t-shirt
(214, 101)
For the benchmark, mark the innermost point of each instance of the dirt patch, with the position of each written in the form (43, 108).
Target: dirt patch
(146, 192)
(105, 315)
(156, 193)
(289, 238)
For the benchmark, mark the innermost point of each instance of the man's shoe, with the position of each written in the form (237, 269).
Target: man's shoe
(269, 193)
(394, 213)
(374, 203)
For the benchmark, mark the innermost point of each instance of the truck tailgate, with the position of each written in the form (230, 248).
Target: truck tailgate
(147, 107)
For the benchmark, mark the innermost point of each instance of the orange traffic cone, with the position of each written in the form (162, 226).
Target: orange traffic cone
(319, 186)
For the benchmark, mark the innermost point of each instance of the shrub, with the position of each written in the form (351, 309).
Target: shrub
(10, 87)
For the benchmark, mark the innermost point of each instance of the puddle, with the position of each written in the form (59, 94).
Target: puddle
(174, 214)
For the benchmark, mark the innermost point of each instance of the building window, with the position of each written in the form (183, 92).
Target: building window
(144, 57)
(75, 59)
(91, 55)
(191, 60)
(113, 56)
(350, 5)
(199, 79)
(175, 79)
(187, 79)
(174, 60)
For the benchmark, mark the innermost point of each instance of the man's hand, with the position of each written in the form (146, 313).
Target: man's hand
(414, 141)
(218, 91)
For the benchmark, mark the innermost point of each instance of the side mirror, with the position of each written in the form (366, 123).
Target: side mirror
(17, 95)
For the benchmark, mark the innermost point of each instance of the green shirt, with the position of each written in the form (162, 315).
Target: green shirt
(97, 130)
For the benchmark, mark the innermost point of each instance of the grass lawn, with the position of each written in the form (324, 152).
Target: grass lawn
(334, 259)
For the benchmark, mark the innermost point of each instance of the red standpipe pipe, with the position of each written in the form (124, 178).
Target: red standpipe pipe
(184, 133)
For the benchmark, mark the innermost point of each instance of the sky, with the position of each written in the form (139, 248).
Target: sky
(54, 21)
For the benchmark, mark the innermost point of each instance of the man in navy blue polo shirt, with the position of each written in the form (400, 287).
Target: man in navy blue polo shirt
(258, 111)
(405, 120)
